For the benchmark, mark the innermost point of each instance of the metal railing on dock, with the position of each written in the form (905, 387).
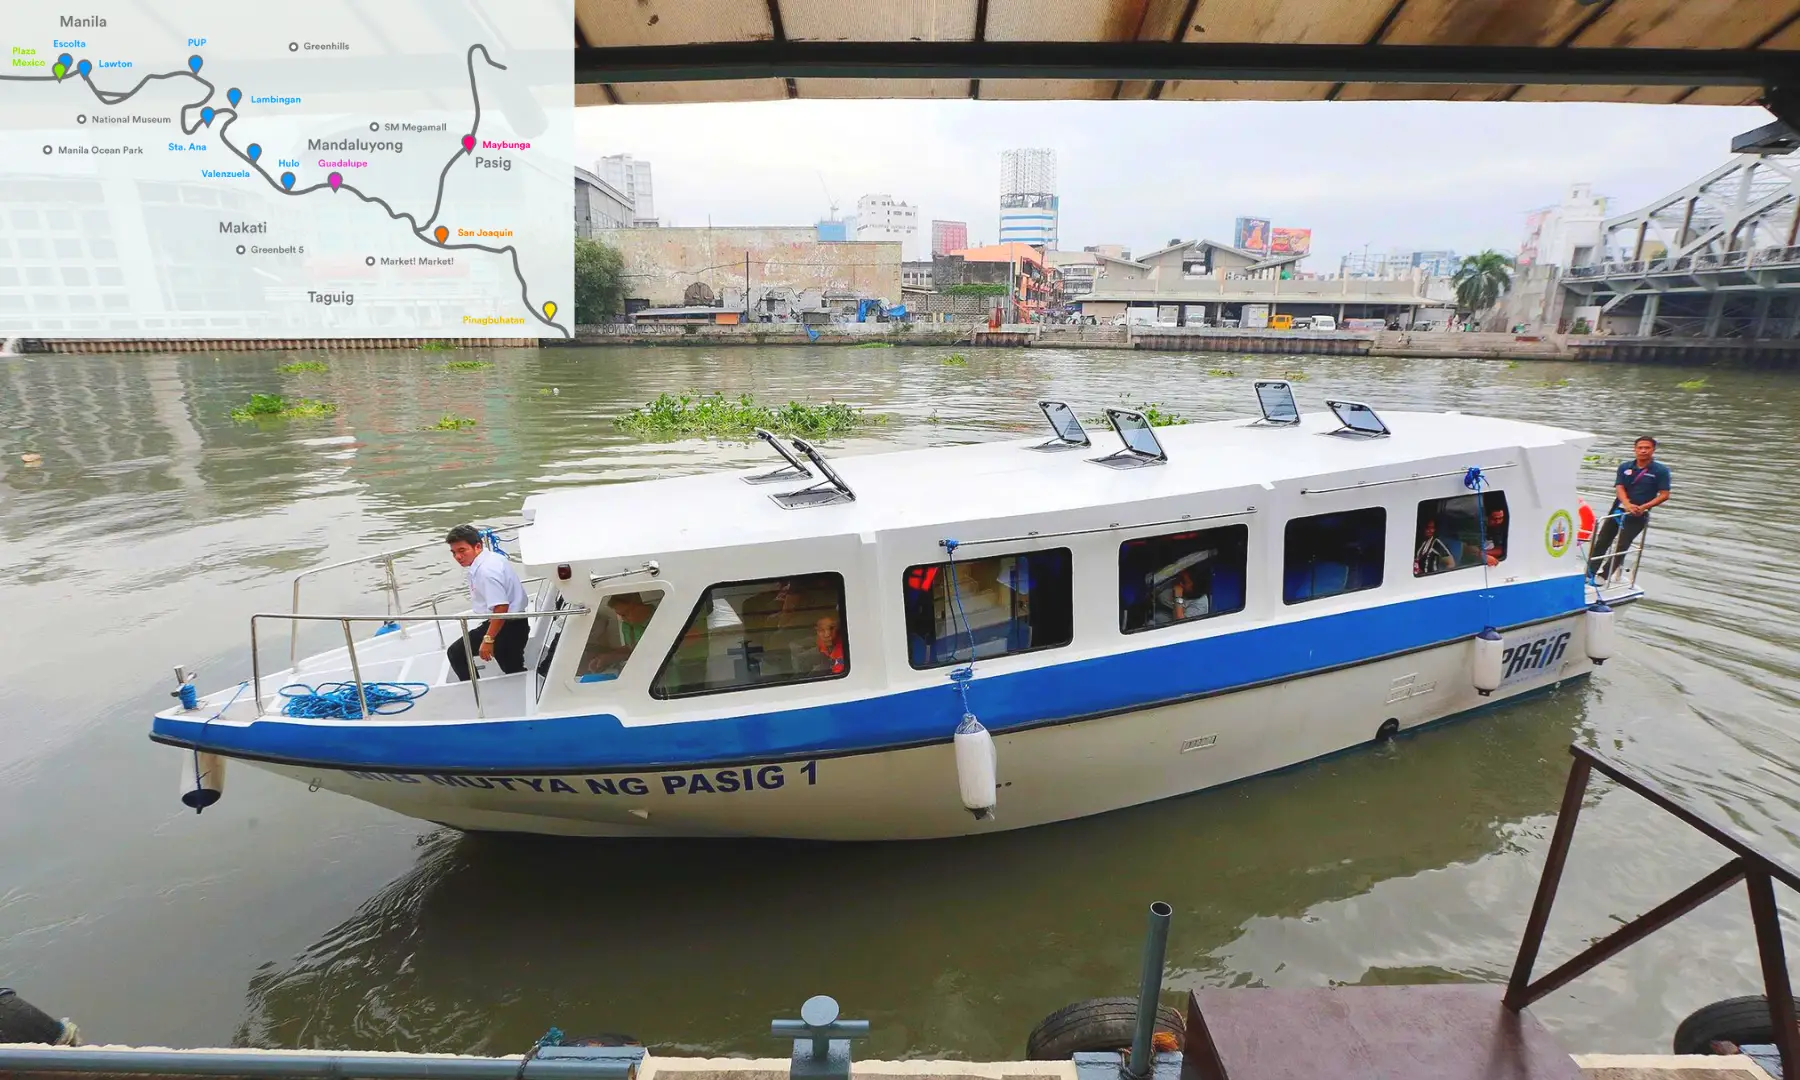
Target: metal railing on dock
(1756, 869)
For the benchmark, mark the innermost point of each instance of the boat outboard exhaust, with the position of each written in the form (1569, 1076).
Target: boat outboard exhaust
(975, 767)
(1600, 632)
(1490, 651)
(202, 779)
(23, 1022)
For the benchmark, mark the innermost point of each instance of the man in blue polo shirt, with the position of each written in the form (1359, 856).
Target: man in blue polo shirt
(1640, 484)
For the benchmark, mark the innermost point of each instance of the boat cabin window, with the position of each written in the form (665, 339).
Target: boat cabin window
(1329, 554)
(1008, 604)
(619, 624)
(745, 634)
(1164, 580)
(1460, 533)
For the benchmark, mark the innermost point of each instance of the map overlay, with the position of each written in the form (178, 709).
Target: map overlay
(339, 169)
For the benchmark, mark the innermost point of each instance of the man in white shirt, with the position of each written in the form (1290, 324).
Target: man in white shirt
(493, 589)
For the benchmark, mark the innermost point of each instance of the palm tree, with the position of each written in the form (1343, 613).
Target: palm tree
(1481, 280)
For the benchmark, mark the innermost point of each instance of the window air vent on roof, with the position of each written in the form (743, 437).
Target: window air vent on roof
(1276, 396)
(1141, 447)
(1358, 419)
(793, 470)
(826, 492)
(1065, 425)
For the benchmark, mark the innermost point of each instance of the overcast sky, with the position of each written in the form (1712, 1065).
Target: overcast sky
(1408, 175)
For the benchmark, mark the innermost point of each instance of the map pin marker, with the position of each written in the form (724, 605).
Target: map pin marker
(233, 95)
(254, 150)
(549, 309)
(206, 115)
(334, 180)
(194, 64)
(58, 70)
(84, 67)
(287, 180)
(66, 61)
(441, 233)
(468, 142)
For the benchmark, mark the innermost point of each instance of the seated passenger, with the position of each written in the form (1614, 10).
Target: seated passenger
(613, 639)
(1493, 545)
(1432, 557)
(1183, 598)
(825, 655)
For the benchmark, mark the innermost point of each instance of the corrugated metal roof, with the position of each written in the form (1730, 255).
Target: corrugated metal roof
(1557, 33)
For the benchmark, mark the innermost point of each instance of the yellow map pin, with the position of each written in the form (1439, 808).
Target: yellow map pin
(549, 309)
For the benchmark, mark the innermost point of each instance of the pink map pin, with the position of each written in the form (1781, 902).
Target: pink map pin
(334, 180)
(468, 142)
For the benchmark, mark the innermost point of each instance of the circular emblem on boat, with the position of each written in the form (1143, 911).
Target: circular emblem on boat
(1559, 533)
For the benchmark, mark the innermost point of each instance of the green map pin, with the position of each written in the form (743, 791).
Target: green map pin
(59, 71)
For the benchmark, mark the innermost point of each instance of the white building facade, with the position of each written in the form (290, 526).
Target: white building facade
(1568, 234)
(881, 218)
(632, 176)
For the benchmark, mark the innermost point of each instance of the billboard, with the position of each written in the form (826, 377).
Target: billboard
(1252, 234)
(1290, 241)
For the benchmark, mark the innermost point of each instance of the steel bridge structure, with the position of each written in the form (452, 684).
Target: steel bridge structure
(1716, 259)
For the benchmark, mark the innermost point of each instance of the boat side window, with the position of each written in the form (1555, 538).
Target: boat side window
(745, 634)
(619, 624)
(1329, 554)
(1164, 580)
(1001, 604)
(1460, 533)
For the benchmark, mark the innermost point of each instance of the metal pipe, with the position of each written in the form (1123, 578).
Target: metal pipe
(1156, 946)
(1404, 479)
(474, 676)
(255, 668)
(325, 1066)
(355, 670)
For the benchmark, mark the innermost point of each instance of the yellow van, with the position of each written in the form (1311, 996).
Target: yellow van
(1281, 322)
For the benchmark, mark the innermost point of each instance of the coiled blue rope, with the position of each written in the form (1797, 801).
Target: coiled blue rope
(493, 541)
(338, 701)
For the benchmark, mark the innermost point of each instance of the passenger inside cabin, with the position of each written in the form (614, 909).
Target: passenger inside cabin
(825, 656)
(1493, 544)
(1432, 556)
(617, 630)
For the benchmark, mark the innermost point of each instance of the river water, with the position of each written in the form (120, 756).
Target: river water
(155, 525)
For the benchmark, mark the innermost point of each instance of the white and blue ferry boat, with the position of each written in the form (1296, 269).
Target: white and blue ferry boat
(937, 642)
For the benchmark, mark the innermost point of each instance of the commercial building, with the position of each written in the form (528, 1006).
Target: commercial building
(1032, 284)
(916, 274)
(599, 205)
(880, 218)
(948, 236)
(632, 176)
(1029, 207)
(1568, 234)
(1203, 282)
(782, 271)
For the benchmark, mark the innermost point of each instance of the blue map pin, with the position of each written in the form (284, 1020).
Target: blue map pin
(255, 151)
(287, 180)
(84, 67)
(66, 61)
(206, 115)
(194, 64)
(232, 95)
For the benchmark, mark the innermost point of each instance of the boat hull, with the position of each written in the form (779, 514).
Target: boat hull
(1054, 772)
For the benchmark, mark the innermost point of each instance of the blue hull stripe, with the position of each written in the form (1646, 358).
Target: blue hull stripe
(1109, 684)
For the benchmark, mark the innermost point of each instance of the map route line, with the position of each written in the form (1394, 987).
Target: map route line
(114, 97)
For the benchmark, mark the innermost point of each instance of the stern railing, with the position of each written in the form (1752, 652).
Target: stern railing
(1756, 869)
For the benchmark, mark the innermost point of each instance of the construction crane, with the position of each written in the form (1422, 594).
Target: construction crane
(828, 199)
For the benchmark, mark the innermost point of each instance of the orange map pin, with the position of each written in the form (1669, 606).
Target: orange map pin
(442, 233)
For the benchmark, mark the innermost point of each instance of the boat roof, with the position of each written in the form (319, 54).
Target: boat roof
(951, 485)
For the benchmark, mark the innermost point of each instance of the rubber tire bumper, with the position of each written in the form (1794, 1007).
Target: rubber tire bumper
(1094, 1025)
(1741, 1020)
(23, 1022)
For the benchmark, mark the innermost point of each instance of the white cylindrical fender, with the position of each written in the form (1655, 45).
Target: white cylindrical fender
(975, 767)
(1600, 633)
(202, 779)
(1489, 652)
